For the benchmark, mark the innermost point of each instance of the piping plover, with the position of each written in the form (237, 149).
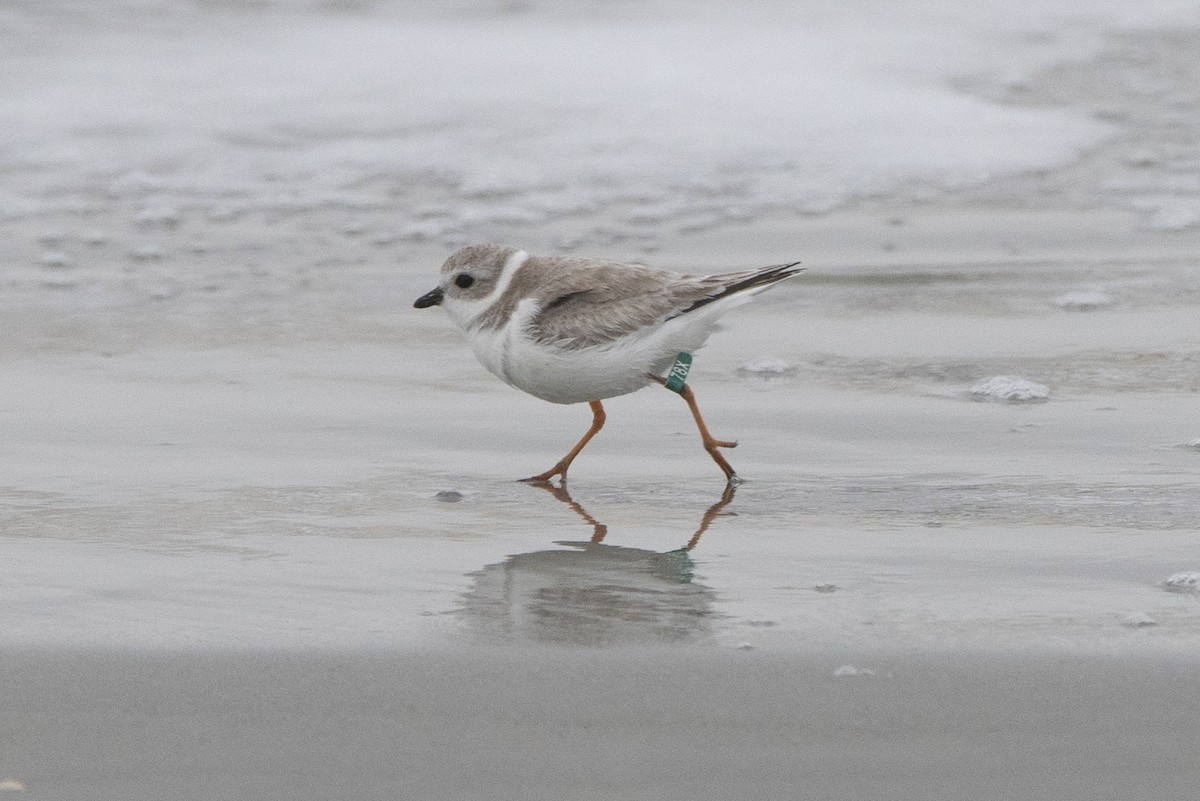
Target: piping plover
(572, 330)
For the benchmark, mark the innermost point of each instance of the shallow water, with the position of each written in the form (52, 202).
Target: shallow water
(289, 495)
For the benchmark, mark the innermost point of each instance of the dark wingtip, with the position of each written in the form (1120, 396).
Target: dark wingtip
(762, 278)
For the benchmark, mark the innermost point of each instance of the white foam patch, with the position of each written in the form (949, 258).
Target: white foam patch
(767, 366)
(852, 672)
(1009, 388)
(1188, 581)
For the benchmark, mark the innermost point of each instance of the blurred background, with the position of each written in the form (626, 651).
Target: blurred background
(172, 151)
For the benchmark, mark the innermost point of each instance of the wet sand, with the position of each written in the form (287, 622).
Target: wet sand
(231, 575)
(538, 723)
(262, 536)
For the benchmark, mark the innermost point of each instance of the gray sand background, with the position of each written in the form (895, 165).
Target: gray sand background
(228, 573)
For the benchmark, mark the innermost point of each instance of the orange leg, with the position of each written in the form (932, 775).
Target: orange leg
(560, 469)
(710, 444)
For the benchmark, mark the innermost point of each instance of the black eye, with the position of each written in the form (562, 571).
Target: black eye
(462, 280)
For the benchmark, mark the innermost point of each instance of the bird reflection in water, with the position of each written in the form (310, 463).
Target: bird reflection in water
(594, 594)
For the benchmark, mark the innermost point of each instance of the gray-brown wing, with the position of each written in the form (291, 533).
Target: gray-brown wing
(594, 303)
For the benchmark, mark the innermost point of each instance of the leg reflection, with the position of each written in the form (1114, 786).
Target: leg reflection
(599, 530)
(714, 511)
(561, 494)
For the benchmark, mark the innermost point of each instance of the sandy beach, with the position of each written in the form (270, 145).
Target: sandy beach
(630, 723)
(261, 530)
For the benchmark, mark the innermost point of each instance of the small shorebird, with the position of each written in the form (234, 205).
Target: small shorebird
(573, 330)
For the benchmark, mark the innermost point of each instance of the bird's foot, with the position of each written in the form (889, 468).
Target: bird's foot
(542, 479)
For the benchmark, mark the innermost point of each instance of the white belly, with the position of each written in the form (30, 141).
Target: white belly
(576, 375)
(565, 376)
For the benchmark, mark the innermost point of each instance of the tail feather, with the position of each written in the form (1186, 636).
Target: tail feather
(760, 279)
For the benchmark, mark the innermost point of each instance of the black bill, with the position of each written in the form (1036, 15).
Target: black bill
(433, 298)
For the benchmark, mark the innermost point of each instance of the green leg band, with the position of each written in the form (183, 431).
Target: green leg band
(679, 371)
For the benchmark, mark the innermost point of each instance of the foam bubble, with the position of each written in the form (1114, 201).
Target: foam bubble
(1188, 581)
(767, 366)
(1009, 388)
